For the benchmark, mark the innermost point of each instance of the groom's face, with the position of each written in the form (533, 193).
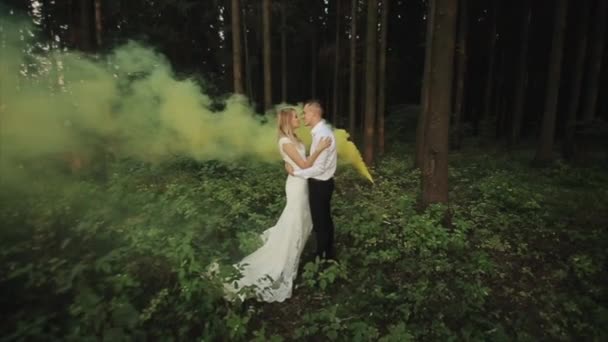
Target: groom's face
(309, 114)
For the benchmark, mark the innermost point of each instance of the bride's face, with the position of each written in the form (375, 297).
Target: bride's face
(295, 121)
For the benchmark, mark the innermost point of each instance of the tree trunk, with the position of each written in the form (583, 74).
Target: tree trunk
(313, 62)
(545, 146)
(424, 93)
(499, 96)
(595, 62)
(237, 64)
(490, 75)
(370, 80)
(85, 40)
(522, 76)
(569, 147)
(98, 23)
(283, 53)
(353, 71)
(382, 76)
(250, 93)
(435, 169)
(336, 94)
(463, 19)
(266, 12)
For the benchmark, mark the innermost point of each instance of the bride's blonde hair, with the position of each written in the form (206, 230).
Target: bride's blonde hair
(284, 124)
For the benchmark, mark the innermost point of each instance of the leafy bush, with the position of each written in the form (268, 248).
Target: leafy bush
(524, 257)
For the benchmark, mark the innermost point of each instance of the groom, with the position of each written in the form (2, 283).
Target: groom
(320, 179)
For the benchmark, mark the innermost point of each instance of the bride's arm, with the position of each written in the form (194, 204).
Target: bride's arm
(292, 152)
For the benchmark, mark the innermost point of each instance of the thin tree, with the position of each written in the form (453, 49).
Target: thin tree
(569, 147)
(370, 80)
(313, 56)
(435, 168)
(545, 146)
(353, 70)
(522, 75)
(85, 41)
(424, 92)
(461, 69)
(283, 52)
(266, 13)
(237, 64)
(595, 62)
(336, 82)
(98, 23)
(489, 86)
(382, 75)
(250, 93)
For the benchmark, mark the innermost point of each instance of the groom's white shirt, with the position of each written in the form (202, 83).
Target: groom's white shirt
(324, 167)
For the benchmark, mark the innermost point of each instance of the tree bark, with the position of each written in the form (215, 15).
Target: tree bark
(545, 146)
(283, 53)
(522, 76)
(353, 70)
(382, 76)
(85, 41)
(98, 23)
(313, 62)
(463, 18)
(490, 75)
(250, 93)
(569, 148)
(435, 169)
(266, 13)
(370, 80)
(595, 63)
(336, 92)
(237, 63)
(424, 92)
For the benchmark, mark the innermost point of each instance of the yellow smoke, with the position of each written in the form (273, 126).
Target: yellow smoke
(128, 103)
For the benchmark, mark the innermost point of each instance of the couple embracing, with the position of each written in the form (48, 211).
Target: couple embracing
(272, 268)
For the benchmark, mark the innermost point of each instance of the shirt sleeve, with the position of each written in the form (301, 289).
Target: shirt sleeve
(320, 164)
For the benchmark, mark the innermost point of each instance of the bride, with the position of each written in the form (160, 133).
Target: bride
(271, 270)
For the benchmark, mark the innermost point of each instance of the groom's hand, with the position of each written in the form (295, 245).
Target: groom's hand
(289, 169)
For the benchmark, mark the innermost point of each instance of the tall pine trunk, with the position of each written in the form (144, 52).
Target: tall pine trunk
(435, 168)
(489, 86)
(237, 64)
(569, 148)
(98, 24)
(336, 82)
(85, 41)
(283, 53)
(522, 76)
(266, 13)
(595, 62)
(352, 100)
(463, 19)
(424, 92)
(249, 82)
(382, 76)
(545, 146)
(313, 62)
(371, 40)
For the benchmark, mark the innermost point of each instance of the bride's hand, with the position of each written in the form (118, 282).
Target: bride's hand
(324, 143)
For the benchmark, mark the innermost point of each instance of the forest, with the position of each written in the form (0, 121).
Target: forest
(138, 145)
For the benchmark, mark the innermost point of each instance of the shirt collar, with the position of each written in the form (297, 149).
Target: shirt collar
(317, 127)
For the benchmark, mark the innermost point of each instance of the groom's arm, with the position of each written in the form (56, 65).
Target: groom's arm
(320, 165)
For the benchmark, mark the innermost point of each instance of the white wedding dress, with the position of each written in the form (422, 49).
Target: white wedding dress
(273, 267)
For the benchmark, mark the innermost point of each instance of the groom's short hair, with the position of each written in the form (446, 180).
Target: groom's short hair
(316, 104)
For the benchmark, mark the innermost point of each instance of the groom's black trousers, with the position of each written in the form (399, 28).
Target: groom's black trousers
(320, 208)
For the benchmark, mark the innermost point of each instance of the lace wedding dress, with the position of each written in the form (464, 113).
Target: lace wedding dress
(272, 268)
